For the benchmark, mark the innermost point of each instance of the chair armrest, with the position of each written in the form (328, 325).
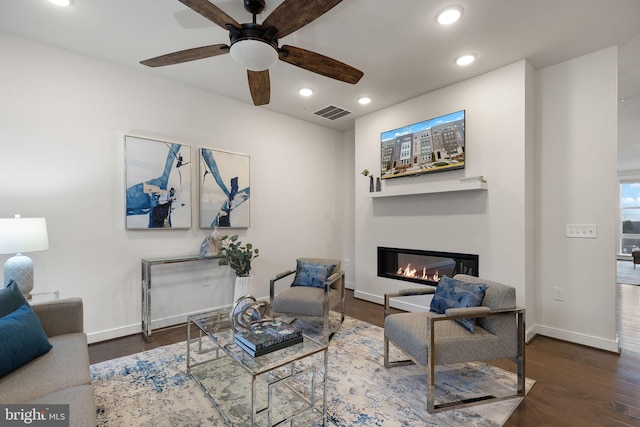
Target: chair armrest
(272, 283)
(283, 275)
(463, 313)
(467, 311)
(416, 291)
(331, 280)
(60, 317)
(334, 278)
(406, 293)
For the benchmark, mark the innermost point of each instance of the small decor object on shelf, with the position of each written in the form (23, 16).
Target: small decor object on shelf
(365, 172)
(212, 245)
(473, 178)
(378, 184)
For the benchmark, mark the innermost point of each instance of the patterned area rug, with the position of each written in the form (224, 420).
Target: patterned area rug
(152, 389)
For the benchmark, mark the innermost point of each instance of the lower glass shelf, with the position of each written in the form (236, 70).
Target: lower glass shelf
(287, 393)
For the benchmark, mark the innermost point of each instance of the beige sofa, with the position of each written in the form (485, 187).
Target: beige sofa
(60, 376)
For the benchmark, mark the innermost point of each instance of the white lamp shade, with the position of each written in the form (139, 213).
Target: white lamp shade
(254, 55)
(23, 235)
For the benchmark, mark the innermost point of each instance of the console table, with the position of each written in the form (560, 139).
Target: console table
(147, 264)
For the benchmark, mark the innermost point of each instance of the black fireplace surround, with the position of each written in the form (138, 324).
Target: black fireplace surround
(424, 267)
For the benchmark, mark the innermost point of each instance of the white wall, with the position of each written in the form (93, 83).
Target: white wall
(577, 184)
(488, 223)
(62, 122)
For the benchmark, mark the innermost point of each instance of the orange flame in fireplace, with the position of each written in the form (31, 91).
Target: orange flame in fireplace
(412, 273)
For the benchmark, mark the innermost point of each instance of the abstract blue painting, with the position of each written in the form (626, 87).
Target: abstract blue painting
(158, 181)
(224, 189)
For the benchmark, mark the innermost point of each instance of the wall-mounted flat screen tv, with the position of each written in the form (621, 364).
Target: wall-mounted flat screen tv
(434, 145)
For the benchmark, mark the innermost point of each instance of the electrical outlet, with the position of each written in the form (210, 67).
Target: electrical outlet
(347, 262)
(558, 294)
(206, 281)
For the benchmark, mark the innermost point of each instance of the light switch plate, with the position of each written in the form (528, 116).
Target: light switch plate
(582, 231)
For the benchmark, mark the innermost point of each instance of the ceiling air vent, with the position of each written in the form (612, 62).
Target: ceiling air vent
(332, 112)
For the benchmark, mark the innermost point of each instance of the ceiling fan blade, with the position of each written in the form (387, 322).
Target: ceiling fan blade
(211, 12)
(259, 86)
(292, 15)
(320, 64)
(187, 55)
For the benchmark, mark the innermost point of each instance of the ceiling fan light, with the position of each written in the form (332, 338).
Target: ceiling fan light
(465, 59)
(449, 15)
(254, 55)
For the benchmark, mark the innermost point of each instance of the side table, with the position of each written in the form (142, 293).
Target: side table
(44, 296)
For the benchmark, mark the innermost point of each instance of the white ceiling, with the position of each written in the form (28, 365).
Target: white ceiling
(398, 45)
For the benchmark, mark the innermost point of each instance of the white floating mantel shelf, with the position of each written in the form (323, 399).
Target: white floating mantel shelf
(437, 187)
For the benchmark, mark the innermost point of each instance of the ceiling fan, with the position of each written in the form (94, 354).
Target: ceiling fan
(255, 46)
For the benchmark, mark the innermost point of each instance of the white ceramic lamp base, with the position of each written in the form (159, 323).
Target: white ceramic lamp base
(20, 269)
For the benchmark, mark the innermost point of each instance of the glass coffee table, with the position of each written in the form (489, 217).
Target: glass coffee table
(285, 387)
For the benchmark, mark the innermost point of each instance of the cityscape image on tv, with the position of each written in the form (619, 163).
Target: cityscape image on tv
(432, 145)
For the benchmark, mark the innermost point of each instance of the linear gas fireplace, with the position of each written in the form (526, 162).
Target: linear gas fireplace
(424, 267)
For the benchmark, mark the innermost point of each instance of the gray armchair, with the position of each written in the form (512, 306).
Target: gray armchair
(431, 339)
(311, 302)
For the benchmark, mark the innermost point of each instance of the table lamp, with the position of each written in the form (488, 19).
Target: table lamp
(19, 235)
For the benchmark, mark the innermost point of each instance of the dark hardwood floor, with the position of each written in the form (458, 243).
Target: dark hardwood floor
(575, 385)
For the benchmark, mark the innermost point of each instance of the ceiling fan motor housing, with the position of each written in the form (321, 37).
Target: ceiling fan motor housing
(253, 32)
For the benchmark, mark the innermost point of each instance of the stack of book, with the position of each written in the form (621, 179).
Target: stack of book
(267, 337)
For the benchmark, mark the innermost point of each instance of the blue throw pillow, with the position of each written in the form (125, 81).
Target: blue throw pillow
(22, 339)
(11, 298)
(312, 274)
(452, 293)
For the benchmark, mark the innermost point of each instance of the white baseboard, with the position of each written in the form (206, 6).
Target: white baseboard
(414, 303)
(136, 328)
(530, 334)
(109, 334)
(578, 338)
(369, 297)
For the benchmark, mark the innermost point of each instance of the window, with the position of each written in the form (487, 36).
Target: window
(630, 217)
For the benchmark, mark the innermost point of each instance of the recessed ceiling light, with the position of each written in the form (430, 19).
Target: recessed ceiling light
(465, 59)
(364, 100)
(305, 91)
(449, 15)
(61, 2)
